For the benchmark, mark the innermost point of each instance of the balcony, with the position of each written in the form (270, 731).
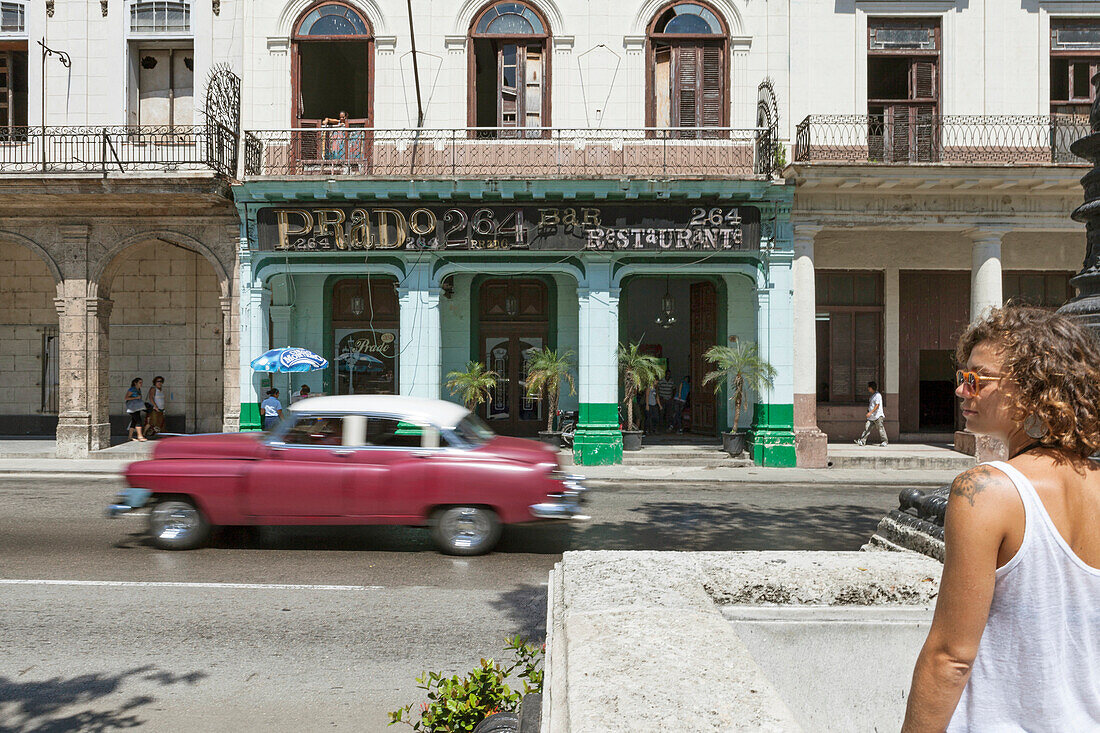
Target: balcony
(103, 150)
(910, 136)
(685, 152)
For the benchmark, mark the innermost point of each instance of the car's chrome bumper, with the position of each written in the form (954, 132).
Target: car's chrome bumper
(565, 504)
(127, 501)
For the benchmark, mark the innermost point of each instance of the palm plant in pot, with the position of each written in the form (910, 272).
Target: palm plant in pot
(546, 370)
(473, 385)
(743, 368)
(639, 372)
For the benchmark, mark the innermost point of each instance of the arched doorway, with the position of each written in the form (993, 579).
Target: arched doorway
(366, 335)
(29, 338)
(687, 75)
(166, 321)
(332, 67)
(509, 67)
(514, 316)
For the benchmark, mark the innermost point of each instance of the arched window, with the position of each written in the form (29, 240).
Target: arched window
(509, 67)
(688, 75)
(333, 67)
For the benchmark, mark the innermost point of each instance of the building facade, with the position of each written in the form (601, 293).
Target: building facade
(933, 181)
(117, 231)
(570, 175)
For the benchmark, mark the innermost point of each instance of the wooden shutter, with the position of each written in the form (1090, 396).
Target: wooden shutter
(662, 87)
(866, 348)
(533, 74)
(923, 80)
(712, 87)
(876, 135)
(840, 358)
(6, 88)
(897, 133)
(686, 86)
(925, 133)
(508, 112)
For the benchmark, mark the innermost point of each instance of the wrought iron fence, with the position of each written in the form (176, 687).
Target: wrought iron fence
(913, 136)
(118, 149)
(510, 152)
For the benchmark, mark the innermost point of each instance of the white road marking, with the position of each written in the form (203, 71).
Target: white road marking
(165, 584)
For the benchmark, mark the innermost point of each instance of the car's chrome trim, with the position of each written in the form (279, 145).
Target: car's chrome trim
(557, 510)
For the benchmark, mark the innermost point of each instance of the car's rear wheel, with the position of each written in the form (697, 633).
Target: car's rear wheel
(176, 523)
(466, 530)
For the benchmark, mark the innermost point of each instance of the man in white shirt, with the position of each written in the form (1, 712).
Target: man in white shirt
(875, 416)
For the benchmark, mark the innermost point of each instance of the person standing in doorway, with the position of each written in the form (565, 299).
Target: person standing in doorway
(135, 408)
(652, 409)
(271, 409)
(679, 402)
(875, 416)
(155, 403)
(665, 389)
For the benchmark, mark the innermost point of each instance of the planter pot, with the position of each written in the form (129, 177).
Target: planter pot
(632, 439)
(552, 437)
(733, 443)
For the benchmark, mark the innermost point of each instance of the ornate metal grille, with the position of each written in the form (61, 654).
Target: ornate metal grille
(222, 112)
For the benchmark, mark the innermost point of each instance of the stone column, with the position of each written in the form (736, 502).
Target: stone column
(985, 275)
(892, 350)
(231, 386)
(598, 440)
(811, 445)
(772, 432)
(421, 347)
(83, 423)
(255, 300)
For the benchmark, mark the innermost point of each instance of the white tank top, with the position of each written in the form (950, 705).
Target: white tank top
(1038, 663)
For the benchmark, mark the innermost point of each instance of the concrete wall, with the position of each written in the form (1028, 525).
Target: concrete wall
(27, 291)
(166, 321)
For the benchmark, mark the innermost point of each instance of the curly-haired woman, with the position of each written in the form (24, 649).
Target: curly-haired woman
(1015, 641)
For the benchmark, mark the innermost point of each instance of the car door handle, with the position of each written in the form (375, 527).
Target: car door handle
(422, 454)
(341, 451)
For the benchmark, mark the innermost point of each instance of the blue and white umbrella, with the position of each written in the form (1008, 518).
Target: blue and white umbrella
(289, 359)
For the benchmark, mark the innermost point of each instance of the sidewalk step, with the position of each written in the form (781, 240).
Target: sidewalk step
(959, 462)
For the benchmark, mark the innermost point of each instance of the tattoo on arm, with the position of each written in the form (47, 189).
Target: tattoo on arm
(969, 484)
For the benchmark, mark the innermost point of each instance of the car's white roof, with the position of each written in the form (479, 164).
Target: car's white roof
(415, 409)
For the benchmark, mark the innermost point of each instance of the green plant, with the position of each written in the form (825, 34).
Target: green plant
(546, 370)
(780, 159)
(459, 704)
(743, 365)
(639, 371)
(474, 385)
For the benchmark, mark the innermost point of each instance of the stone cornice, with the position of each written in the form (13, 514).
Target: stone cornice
(889, 180)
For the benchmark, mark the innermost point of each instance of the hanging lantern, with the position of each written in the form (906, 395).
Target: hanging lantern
(358, 305)
(665, 319)
(511, 305)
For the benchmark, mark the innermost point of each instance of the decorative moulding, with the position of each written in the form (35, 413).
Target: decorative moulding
(454, 44)
(278, 45)
(563, 44)
(103, 7)
(634, 44)
(740, 43)
(216, 6)
(49, 8)
(386, 45)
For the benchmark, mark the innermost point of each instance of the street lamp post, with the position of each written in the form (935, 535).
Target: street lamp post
(1085, 308)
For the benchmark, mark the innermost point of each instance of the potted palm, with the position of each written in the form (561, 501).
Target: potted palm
(639, 371)
(742, 366)
(546, 370)
(473, 385)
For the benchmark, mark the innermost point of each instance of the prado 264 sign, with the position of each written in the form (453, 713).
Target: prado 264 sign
(614, 227)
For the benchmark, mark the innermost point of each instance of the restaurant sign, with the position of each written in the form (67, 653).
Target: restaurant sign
(617, 227)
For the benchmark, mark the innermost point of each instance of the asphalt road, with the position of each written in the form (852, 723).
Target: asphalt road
(315, 629)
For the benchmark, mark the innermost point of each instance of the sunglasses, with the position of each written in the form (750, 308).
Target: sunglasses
(972, 380)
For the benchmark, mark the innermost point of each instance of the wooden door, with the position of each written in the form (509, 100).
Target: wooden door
(704, 334)
(511, 411)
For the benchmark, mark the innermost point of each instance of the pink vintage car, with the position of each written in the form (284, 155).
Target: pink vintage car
(377, 459)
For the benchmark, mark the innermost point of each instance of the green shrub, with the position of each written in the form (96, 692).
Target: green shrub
(460, 703)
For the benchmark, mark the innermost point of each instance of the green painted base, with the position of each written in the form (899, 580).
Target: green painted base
(250, 417)
(771, 438)
(598, 440)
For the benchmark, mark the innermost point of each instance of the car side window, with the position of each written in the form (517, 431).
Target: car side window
(389, 432)
(315, 430)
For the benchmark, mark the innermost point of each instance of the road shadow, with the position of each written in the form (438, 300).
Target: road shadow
(47, 706)
(525, 606)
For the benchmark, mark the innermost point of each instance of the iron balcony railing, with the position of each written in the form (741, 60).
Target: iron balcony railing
(511, 152)
(912, 135)
(104, 150)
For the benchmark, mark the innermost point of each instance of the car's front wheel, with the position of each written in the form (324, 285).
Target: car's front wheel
(178, 524)
(465, 530)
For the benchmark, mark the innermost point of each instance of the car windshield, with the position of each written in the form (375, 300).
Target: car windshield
(473, 431)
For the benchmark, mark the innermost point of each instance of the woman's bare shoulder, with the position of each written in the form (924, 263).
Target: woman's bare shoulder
(980, 483)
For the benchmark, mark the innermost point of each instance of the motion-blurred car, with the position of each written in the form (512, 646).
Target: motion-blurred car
(358, 459)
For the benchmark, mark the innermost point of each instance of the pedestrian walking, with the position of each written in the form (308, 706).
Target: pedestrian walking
(155, 404)
(679, 402)
(135, 408)
(1015, 641)
(652, 409)
(665, 390)
(271, 409)
(875, 416)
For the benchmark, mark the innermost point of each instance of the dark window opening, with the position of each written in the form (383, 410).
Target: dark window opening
(510, 69)
(334, 78)
(888, 77)
(849, 334)
(903, 90)
(13, 93)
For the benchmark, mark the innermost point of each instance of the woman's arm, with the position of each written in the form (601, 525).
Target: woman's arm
(976, 523)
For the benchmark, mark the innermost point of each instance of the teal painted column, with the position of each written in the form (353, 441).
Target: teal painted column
(254, 300)
(772, 434)
(598, 440)
(421, 345)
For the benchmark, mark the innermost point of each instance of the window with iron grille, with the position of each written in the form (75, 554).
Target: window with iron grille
(160, 17)
(849, 334)
(12, 18)
(1074, 60)
(903, 89)
(51, 374)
